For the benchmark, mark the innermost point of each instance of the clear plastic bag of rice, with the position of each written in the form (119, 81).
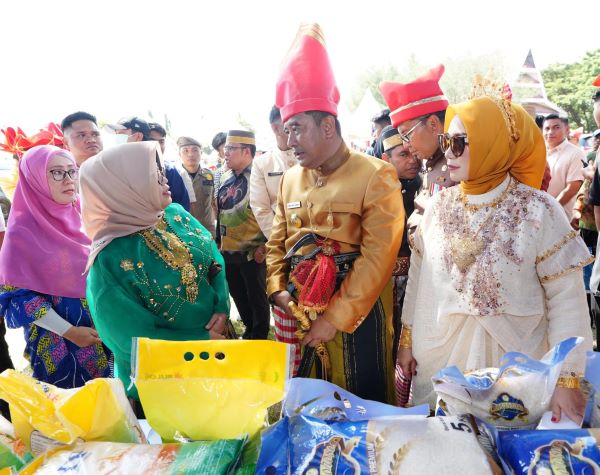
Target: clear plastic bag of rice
(514, 396)
(592, 375)
(395, 445)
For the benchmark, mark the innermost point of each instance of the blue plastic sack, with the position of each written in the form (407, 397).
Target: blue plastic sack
(573, 452)
(514, 396)
(592, 375)
(324, 400)
(386, 445)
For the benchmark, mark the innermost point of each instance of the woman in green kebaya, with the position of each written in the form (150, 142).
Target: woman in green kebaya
(154, 270)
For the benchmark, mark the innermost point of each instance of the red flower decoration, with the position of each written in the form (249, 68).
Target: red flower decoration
(17, 142)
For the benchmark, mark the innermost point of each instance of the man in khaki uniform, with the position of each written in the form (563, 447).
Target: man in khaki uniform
(201, 206)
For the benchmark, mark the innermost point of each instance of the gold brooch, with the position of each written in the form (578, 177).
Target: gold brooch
(465, 250)
(126, 265)
(295, 220)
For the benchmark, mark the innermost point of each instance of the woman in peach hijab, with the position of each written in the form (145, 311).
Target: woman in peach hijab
(495, 267)
(154, 270)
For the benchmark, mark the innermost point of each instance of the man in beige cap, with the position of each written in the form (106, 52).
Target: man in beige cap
(201, 206)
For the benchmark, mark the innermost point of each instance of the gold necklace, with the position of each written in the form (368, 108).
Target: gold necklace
(472, 208)
(173, 252)
(465, 247)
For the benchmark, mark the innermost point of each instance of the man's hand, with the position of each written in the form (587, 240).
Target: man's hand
(282, 300)
(260, 254)
(82, 336)
(321, 331)
(217, 323)
(569, 192)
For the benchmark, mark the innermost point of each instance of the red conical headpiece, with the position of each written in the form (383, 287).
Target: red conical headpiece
(417, 98)
(306, 81)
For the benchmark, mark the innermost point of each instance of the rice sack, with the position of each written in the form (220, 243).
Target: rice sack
(514, 396)
(102, 458)
(45, 416)
(326, 401)
(410, 444)
(209, 390)
(13, 454)
(548, 452)
(592, 375)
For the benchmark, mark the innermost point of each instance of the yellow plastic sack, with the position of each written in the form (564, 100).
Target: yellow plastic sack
(208, 390)
(44, 415)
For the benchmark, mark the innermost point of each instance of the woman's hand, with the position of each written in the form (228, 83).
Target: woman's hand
(406, 362)
(217, 324)
(568, 402)
(82, 336)
(213, 335)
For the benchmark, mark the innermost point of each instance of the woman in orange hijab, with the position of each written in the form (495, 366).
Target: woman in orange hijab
(495, 267)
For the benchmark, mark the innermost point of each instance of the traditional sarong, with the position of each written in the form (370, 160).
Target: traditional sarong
(361, 362)
(285, 332)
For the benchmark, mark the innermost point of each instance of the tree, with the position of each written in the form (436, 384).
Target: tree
(456, 81)
(372, 77)
(570, 87)
(245, 123)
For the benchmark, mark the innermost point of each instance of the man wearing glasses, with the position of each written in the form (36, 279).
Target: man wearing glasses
(240, 239)
(418, 110)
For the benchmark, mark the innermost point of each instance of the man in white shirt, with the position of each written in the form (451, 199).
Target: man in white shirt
(267, 170)
(565, 161)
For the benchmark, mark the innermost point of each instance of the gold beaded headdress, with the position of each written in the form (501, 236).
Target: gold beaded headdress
(500, 93)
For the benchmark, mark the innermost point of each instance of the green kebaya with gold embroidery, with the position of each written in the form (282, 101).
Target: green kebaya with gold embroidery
(164, 282)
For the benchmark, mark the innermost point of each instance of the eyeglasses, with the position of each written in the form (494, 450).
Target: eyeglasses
(60, 175)
(162, 178)
(456, 143)
(408, 135)
(229, 148)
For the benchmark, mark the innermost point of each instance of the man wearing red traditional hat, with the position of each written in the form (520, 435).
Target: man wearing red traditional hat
(418, 110)
(336, 233)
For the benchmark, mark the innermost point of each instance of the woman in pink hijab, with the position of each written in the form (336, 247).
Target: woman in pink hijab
(42, 261)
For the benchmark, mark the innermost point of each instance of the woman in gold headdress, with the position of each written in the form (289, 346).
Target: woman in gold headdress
(495, 267)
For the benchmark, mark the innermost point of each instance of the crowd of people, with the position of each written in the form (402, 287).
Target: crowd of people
(466, 233)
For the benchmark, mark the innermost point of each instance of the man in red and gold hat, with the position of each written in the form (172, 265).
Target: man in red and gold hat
(417, 110)
(336, 233)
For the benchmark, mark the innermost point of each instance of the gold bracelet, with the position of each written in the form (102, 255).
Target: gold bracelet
(406, 337)
(569, 382)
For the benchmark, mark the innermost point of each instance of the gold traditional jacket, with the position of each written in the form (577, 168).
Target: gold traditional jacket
(360, 206)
